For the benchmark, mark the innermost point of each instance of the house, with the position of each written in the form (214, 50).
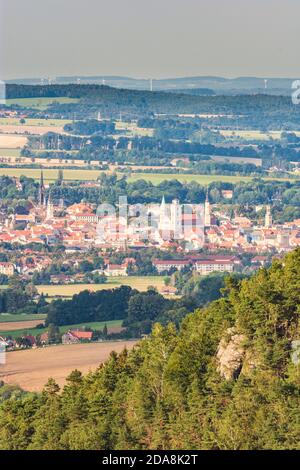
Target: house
(227, 193)
(262, 260)
(216, 264)
(75, 336)
(169, 290)
(7, 269)
(44, 338)
(166, 265)
(116, 270)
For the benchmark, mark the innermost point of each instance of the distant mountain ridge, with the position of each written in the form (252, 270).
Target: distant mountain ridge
(214, 84)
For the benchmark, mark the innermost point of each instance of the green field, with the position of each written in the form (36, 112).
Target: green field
(201, 179)
(140, 283)
(10, 152)
(40, 103)
(8, 317)
(253, 134)
(131, 129)
(50, 175)
(157, 178)
(34, 122)
(38, 331)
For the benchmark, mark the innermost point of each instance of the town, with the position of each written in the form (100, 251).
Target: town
(199, 236)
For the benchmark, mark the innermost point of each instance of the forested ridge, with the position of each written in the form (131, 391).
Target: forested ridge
(229, 379)
(158, 101)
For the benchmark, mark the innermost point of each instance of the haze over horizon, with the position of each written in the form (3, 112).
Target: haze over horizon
(174, 39)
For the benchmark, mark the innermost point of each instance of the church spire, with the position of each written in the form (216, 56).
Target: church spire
(50, 211)
(42, 190)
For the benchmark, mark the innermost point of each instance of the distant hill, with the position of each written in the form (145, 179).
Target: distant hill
(220, 85)
(271, 109)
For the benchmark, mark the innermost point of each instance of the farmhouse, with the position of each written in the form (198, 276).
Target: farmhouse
(75, 336)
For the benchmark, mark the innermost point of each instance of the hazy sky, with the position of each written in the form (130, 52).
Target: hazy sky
(143, 38)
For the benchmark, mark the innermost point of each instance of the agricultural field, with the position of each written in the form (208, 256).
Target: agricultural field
(140, 283)
(157, 178)
(15, 153)
(10, 323)
(15, 330)
(31, 130)
(39, 103)
(132, 130)
(253, 135)
(9, 328)
(11, 141)
(11, 318)
(30, 369)
(34, 122)
(50, 175)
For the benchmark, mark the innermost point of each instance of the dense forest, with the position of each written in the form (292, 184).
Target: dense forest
(228, 380)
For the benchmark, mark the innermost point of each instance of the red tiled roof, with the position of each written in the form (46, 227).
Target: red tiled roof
(170, 261)
(82, 334)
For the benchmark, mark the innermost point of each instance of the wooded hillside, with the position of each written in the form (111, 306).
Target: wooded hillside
(229, 379)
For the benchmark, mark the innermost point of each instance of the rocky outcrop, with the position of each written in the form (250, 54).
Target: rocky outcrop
(230, 354)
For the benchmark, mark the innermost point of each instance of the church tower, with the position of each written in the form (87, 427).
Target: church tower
(50, 209)
(268, 217)
(176, 219)
(207, 215)
(42, 191)
(164, 220)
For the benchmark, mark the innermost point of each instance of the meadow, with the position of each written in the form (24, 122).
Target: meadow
(253, 134)
(34, 122)
(140, 283)
(157, 178)
(39, 103)
(131, 129)
(4, 152)
(50, 175)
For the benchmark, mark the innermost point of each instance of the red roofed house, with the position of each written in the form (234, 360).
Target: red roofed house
(116, 270)
(165, 265)
(75, 336)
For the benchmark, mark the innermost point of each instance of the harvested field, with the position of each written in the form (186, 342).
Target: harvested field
(8, 141)
(30, 369)
(19, 325)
